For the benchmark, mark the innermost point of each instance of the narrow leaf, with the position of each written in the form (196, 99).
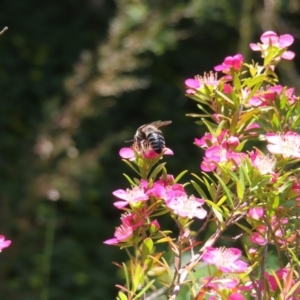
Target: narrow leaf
(157, 170)
(146, 248)
(143, 291)
(122, 296)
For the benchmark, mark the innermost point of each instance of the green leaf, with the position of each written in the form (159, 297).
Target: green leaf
(276, 121)
(156, 170)
(129, 179)
(216, 209)
(234, 122)
(210, 126)
(292, 290)
(240, 190)
(224, 97)
(131, 166)
(246, 229)
(247, 117)
(138, 277)
(147, 248)
(275, 203)
(255, 84)
(126, 276)
(122, 296)
(225, 188)
(144, 290)
(236, 80)
(178, 177)
(198, 189)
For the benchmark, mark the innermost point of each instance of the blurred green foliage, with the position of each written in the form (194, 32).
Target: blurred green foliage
(76, 80)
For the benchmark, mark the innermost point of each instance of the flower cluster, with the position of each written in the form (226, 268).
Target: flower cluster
(253, 190)
(170, 196)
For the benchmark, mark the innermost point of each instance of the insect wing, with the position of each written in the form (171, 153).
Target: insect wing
(159, 123)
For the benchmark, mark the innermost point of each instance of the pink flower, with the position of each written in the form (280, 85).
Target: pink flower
(271, 39)
(281, 274)
(220, 282)
(265, 164)
(209, 140)
(287, 144)
(252, 252)
(256, 213)
(256, 238)
(280, 283)
(4, 243)
(135, 195)
(295, 188)
(157, 190)
(251, 127)
(166, 180)
(183, 205)
(277, 226)
(129, 223)
(195, 84)
(217, 154)
(236, 296)
(225, 259)
(263, 98)
(234, 62)
(127, 153)
(192, 85)
(154, 225)
(150, 153)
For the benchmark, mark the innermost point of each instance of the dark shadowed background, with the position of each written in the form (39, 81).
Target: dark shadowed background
(77, 77)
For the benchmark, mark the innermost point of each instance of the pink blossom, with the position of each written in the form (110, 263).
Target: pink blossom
(252, 251)
(150, 153)
(154, 225)
(271, 39)
(217, 154)
(183, 205)
(4, 243)
(256, 238)
(256, 213)
(208, 139)
(265, 164)
(127, 153)
(225, 259)
(234, 62)
(255, 101)
(275, 284)
(251, 127)
(223, 139)
(263, 98)
(220, 282)
(195, 84)
(281, 274)
(129, 223)
(192, 85)
(135, 195)
(295, 188)
(287, 144)
(144, 184)
(157, 190)
(166, 180)
(277, 226)
(236, 296)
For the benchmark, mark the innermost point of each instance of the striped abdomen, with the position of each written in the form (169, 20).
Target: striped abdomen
(157, 141)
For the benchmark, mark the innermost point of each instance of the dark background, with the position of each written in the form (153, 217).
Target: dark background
(77, 78)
